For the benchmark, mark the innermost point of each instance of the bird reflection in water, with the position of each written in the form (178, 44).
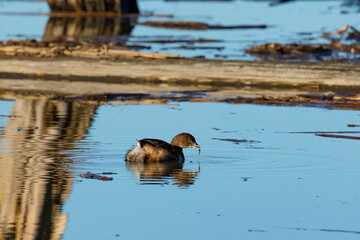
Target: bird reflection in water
(163, 173)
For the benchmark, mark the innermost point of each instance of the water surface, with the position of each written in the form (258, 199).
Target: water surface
(293, 22)
(284, 185)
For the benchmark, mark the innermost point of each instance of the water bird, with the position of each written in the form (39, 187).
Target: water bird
(154, 150)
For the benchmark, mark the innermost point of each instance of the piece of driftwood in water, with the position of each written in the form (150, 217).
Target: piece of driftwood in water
(45, 49)
(80, 28)
(120, 6)
(185, 25)
(301, 51)
(351, 32)
(236, 141)
(338, 136)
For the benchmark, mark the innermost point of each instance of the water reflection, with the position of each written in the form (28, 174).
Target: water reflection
(163, 173)
(82, 28)
(35, 176)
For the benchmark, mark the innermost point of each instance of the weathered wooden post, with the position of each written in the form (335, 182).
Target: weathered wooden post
(118, 6)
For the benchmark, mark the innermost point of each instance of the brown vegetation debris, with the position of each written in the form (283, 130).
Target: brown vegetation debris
(352, 33)
(302, 51)
(186, 25)
(286, 49)
(182, 41)
(95, 176)
(236, 141)
(338, 136)
(353, 125)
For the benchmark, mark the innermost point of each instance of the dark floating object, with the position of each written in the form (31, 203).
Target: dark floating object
(201, 40)
(325, 132)
(195, 25)
(338, 136)
(108, 173)
(256, 230)
(236, 141)
(196, 47)
(155, 150)
(292, 50)
(353, 125)
(95, 176)
(324, 230)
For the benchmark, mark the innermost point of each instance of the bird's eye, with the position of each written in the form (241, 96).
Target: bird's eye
(190, 141)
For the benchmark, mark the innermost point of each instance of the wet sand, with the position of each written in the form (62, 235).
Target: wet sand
(183, 71)
(334, 84)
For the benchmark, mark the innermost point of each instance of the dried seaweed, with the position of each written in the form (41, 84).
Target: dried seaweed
(338, 136)
(236, 141)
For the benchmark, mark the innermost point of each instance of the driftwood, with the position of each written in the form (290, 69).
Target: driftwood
(301, 51)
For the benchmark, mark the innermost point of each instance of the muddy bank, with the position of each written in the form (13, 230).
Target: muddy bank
(184, 72)
(156, 81)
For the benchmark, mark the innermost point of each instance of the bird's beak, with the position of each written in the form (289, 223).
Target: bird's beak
(197, 146)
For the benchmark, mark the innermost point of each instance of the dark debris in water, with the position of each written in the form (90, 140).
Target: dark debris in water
(90, 175)
(353, 125)
(256, 230)
(290, 51)
(326, 132)
(196, 48)
(201, 40)
(333, 134)
(245, 179)
(186, 25)
(236, 141)
(336, 50)
(338, 136)
(324, 230)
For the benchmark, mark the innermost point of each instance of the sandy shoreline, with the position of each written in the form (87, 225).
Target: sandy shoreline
(180, 79)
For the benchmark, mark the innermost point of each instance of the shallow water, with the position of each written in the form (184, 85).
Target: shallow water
(293, 22)
(285, 185)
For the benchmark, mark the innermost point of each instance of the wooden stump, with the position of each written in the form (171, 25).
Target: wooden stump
(119, 6)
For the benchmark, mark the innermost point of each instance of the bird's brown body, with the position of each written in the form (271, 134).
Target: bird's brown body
(155, 150)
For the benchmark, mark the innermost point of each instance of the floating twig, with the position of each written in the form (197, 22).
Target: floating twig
(338, 136)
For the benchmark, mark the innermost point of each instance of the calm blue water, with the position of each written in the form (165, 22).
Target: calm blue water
(263, 190)
(298, 21)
